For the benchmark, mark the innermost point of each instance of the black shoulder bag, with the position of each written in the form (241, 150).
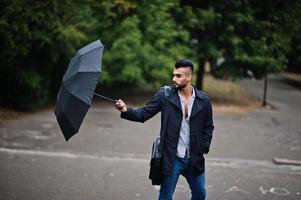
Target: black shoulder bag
(155, 174)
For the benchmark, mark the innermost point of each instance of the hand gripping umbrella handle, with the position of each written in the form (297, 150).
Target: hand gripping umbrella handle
(106, 98)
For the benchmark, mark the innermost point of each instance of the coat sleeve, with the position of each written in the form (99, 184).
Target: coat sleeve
(146, 112)
(208, 128)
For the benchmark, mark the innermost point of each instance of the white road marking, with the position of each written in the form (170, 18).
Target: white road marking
(69, 155)
(219, 162)
(237, 189)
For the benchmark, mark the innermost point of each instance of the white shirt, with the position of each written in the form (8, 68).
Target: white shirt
(184, 140)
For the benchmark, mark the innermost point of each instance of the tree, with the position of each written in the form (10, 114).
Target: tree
(294, 55)
(252, 37)
(37, 39)
(142, 47)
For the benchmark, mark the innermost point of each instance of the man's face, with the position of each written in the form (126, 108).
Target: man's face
(181, 76)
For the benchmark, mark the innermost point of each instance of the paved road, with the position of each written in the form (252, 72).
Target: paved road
(109, 158)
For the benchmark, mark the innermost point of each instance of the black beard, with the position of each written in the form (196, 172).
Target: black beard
(180, 87)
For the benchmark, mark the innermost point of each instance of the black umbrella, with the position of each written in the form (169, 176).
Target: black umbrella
(78, 86)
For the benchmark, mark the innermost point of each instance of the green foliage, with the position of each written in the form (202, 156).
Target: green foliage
(37, 38)
(30, 89)
(122, 58)
(142, 41)
(253, 37)
(294, 55)
(144, 47)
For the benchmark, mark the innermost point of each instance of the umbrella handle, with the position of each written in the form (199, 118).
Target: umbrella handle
(106, 98)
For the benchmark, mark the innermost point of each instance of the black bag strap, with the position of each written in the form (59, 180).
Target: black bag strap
(163, 127)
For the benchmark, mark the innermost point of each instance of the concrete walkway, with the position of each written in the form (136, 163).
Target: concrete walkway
(109, 158)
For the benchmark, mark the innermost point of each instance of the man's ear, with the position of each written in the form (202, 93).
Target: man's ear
(189, 77)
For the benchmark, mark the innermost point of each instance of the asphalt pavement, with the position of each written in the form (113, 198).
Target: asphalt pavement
(109, 158)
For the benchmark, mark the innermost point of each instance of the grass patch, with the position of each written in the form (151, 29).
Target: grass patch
(7, 114)
(229, 97)
(292, 79)
(292, 76)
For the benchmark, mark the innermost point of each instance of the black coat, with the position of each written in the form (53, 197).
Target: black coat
(201, 126)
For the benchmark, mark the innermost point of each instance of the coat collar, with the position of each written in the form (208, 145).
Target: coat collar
(197, 105)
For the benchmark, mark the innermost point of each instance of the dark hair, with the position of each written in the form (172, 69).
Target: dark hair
(184, 63)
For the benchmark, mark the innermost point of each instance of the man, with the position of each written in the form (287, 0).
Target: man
(188, 131)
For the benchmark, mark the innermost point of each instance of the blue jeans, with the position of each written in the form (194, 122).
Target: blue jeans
(196, 183)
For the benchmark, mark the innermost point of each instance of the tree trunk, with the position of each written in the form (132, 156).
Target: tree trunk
(200, 74)
(264, 99)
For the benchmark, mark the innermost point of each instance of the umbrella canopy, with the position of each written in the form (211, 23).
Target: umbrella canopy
(77, 89)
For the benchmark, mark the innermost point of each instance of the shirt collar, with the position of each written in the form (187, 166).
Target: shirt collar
(192, 96)
(193, 93)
